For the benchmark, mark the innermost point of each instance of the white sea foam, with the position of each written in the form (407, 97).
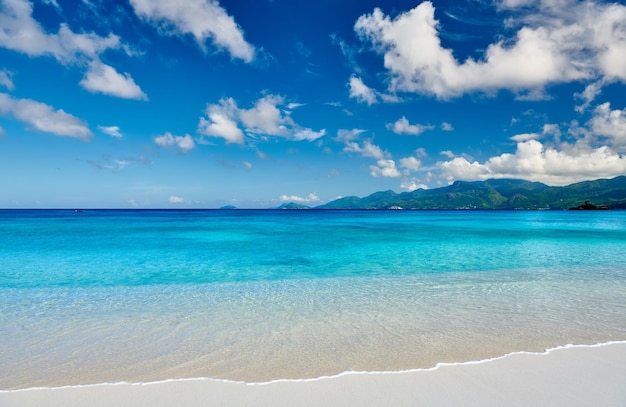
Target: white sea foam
(326, 377)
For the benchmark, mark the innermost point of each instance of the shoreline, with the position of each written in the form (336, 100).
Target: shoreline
(564, 375)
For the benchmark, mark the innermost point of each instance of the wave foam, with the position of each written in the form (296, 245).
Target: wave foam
(328, 377)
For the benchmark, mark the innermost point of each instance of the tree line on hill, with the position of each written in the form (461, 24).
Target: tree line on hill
(492, 194)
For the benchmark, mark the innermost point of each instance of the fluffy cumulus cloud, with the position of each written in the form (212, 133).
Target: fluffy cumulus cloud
(20, 32)
(228, 121)
(361, 92)
(183, 144)
(385, 168)
(538, 162)
(312, 197)
(411, 185)
(596, 150)
(525, 136)
(402, 126)
(366, 149)
(221, 121)
(364, 94)
(344, 135)
(42, 117)
(571, 42)
(266, 118)
(175, 199)
(410, 164)
(102, 78)
(204, 19)
(610, 125)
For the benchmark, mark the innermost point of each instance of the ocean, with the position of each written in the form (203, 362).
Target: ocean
(101, 296)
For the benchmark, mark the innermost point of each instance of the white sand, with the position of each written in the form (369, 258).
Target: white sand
(571, 376)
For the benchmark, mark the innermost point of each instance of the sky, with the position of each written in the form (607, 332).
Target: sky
(255, 103)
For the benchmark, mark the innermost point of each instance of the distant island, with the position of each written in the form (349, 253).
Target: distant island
(492, 194)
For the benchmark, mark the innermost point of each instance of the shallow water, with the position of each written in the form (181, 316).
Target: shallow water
(105, 296)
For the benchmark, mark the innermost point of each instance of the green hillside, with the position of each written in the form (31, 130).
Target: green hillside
(494, 194)
(292, 205)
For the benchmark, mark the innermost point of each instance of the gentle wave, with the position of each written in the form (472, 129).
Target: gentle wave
(327, 377)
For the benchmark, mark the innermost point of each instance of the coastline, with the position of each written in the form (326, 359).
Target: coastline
(569, 375)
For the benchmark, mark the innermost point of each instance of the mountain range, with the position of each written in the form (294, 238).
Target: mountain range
(490, 194)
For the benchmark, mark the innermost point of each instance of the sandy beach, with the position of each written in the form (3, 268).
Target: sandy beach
(566, 376)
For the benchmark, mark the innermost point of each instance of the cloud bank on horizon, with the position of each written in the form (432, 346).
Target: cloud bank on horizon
(252, 103)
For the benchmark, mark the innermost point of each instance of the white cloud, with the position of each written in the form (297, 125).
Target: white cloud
(589, 95)
(445, 126)
(52, 3)
(292, 106)
(361, 92)
(384, 168)
(390, 98)
(223, 120)
(344, 135)
(448, 153)
(204, 19)
(176, 199)
(411, 185)
(512, 4)
(610, 124)
(20, 32)
(571, 42)
(102, 78)
(402, 126)
(410, 164)
(265, 117)
(6, 79)
(552, 129)
(548, 129)
(184, 144)
(42, 117)
(294, 198)
(247, 164)
(609, 41)
(113, 131)
(308, 134)
(525, 137)
(367, 149)
(537, 162)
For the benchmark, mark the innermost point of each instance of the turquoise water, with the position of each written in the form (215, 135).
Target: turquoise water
(95, 296)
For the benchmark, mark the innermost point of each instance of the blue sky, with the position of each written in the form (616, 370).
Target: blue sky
(253, 103)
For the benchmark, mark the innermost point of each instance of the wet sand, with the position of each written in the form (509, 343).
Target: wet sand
(566, 376)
